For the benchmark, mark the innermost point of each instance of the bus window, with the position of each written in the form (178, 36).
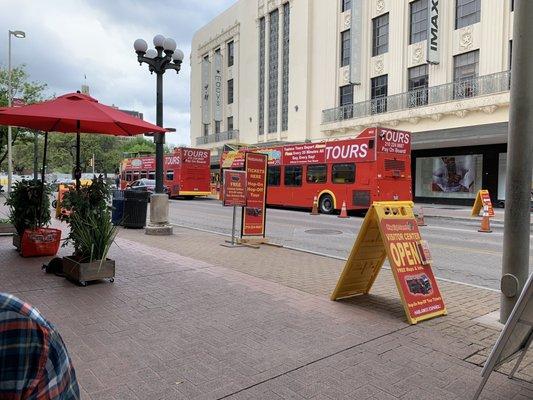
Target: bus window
(128, 177)
(293, 175)
(343, 173)
(135, 175)
(151, 175)
(317, 173)
(170, 175)
(274, 176)
(144, 174)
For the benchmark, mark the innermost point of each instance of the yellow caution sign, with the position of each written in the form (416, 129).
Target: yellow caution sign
(390, 231)
(482, 199)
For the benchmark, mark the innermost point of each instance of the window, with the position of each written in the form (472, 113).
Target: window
(317, 173)
(273, 47)
(418, 11)
(510, 54)
(346, 5)
(135, 175)
(512, 5)
(380, 35)
(230, 123)
(217, 126)
(285, 68)
(345, 48)
(378, 94)
(343, 173)
(206, 129)
(274, 176)
(143, 174)
(418, 86)
(262, 56)
(231, 53)
(465, 73)
(230, 91)
(151, 175)
(129, 176)
(346, 101)
(467, 12)
(293, 175)
(170, 175)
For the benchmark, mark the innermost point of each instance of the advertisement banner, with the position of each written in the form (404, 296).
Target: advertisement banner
(234, 188)
(217, 95)
(253, 217)
(390, 231)
(454, 174)
(416, 283)
(206, 111)
(433, 42)
(393, 142)
(482, 200)
(195, 156)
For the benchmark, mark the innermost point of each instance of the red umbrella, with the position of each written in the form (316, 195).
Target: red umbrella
(75, 112)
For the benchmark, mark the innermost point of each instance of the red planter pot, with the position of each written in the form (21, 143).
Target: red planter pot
(40, 242)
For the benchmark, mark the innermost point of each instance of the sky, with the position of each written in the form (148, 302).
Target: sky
(68, 40)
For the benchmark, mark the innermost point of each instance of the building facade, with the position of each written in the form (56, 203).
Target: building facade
(271, 71)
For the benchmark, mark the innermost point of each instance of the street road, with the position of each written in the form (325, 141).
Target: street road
(459, 252)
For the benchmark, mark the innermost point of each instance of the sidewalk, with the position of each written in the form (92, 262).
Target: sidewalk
(187, 318)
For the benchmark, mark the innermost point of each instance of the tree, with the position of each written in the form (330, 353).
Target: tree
(22, 88)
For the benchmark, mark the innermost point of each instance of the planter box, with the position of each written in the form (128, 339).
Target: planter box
(40, 242)
(7, 229)
(16, 241)
(86, 272)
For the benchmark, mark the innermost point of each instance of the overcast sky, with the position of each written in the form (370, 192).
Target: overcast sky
(67, 40)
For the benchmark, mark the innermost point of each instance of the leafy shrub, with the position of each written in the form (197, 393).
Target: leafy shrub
(29, 205)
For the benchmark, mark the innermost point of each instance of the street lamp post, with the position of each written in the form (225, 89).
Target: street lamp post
(20, 35)
(165, 56)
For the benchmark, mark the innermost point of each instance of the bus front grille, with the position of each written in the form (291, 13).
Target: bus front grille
(394, 165)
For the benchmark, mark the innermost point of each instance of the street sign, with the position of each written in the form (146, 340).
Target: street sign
(234, 188)
(390, 231)
(253, 219)
(482, 199)
(515, 337)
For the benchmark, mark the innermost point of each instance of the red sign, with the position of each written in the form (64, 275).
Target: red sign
(195, 156)
(485, 200)
(234, 188)
(407, 256)
(393, 142)
(253, 221)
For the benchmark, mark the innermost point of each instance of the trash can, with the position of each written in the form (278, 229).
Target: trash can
(117, 213)
(135, 206)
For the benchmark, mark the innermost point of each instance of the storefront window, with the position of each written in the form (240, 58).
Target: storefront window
(457, 177)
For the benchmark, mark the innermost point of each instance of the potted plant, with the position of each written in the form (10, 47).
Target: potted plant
(6, 227)
(29, 212)
(91, 233)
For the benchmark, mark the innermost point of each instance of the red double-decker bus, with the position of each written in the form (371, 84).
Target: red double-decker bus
(186, 172)
(374, 166)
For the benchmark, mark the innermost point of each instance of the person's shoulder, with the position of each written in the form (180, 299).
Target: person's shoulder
(11, 305)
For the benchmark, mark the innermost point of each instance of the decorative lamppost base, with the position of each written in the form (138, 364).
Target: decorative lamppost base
(159, 216)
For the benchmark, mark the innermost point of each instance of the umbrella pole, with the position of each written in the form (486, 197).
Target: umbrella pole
(77, 172)
(43, 172)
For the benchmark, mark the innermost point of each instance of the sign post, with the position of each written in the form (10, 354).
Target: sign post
(253, 218)
(234, 195)
(390, 231)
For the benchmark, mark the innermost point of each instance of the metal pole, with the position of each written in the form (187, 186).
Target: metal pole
(9, 134)
(515, 268)
(233, 226)
(36, 156)
(77, 171)
(159, 137)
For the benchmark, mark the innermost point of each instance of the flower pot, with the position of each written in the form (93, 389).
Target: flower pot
(7, 229)
(40, 242)
(84, 272)
(16, 241)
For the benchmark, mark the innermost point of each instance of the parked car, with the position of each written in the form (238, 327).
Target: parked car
(147, 185)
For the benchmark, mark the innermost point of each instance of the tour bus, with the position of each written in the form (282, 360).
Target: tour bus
(374, 166)
(186, 172)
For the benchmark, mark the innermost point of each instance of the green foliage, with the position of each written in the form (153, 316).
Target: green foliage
(29, 207)
(138, 145)
(91, 230)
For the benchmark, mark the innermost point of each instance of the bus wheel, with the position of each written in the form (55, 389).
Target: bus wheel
(325, 204)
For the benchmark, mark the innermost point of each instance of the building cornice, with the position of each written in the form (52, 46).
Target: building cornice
(223, 37)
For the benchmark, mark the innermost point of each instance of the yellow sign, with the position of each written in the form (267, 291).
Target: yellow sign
(390, 230)
(482, 199)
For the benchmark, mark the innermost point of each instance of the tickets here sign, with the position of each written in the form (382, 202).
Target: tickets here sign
(253, 220)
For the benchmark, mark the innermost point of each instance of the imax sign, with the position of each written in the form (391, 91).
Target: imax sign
(433, 49)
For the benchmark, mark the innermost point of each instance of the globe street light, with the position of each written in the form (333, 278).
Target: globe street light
(19, 35)
(165, 56)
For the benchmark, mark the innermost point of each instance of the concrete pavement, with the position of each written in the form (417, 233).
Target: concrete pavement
(187, 318)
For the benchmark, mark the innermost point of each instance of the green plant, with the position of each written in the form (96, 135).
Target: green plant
(29, 205)
(91, 230)
(92, 236)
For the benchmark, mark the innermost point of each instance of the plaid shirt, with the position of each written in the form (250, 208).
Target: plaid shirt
(34, 363)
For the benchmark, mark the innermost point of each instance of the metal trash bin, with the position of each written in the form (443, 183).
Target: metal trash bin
(135, 208)
(117, 203)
